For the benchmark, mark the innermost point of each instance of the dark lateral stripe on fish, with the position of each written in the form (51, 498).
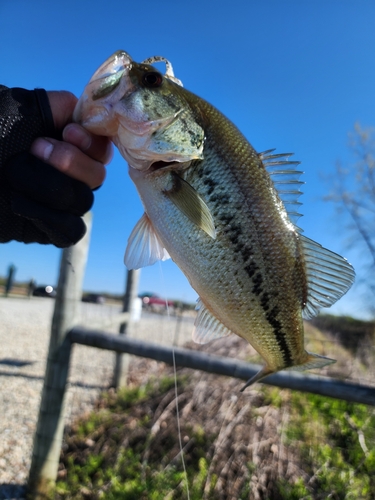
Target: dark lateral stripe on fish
(221, 198)
(251, 268)
(226, 218)
(254, 274)
(211, 185)
(264, 301)
(272, 320)
(280, 336)
(234, 231)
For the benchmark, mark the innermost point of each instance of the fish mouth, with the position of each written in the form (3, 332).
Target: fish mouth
(162, 165)
(147, 163)
(165, 166)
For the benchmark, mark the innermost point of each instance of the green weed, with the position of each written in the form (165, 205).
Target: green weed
(335, 440)
(126, 471)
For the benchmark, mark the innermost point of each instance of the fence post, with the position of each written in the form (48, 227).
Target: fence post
(122, 360)
(50, 426)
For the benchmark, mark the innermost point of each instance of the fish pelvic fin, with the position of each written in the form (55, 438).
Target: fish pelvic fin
(190, 203)
(144, 246)
(312, 361)
(264, 372)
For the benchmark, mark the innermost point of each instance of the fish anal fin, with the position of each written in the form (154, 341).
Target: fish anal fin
(264, 372)
(190, 203)
(144, 247)
(207, 327)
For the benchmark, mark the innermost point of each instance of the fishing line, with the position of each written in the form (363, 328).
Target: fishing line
(175, 387)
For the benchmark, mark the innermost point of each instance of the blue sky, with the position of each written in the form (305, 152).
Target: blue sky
(292, 74)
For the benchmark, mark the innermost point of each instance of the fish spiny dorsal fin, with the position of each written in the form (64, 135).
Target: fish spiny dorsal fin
(329, 276)
(206, 326)
(286, 180)
(144, 247)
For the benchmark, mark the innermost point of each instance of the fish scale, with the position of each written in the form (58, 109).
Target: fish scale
(224, 213)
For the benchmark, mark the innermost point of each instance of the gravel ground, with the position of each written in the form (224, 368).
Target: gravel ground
(24, 337)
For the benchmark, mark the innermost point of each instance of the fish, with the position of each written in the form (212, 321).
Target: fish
(224, 213)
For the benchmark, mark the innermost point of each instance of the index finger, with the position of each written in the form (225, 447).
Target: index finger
(97, 147)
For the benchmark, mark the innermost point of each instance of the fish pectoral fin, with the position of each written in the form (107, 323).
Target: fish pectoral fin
(264, 372)
(190, 203)
(312, 361)
(206, 326)
(144, 247)
(329, 276)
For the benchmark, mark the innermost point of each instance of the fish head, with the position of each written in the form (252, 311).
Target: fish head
(144, 112)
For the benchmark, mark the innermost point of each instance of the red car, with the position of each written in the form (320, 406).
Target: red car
(154, 303)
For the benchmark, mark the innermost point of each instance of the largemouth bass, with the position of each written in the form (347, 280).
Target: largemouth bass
(224, 213)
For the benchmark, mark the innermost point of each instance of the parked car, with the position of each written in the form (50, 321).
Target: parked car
(154, 303)
(44, 291)
(94, 298)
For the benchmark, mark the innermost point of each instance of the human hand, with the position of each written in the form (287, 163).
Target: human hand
(48, 168)
(80, 154)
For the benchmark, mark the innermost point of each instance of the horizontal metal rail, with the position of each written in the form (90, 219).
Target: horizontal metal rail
(224, 366)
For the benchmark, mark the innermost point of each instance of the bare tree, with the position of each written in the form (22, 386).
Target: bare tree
(353, 194)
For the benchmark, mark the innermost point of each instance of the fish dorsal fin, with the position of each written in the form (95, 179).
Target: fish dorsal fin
(206, 326)
(285, 178)
(186, 199)
(144, 247)
(329, 276)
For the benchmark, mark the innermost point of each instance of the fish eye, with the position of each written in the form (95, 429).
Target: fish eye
(152, 79)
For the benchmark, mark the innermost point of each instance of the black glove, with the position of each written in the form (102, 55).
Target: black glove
(38, 203)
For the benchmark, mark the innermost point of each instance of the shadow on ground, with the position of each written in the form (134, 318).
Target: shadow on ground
(12, 491)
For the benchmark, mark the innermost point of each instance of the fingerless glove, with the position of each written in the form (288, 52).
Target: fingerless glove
(38, 203)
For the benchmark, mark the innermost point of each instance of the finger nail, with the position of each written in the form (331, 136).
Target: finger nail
(42, 149)
(77, 135)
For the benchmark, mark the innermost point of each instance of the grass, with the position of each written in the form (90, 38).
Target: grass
(127, 470)
(335, 441)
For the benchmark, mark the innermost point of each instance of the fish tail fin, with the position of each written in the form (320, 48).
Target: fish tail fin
(313, 361)
(264, 372)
